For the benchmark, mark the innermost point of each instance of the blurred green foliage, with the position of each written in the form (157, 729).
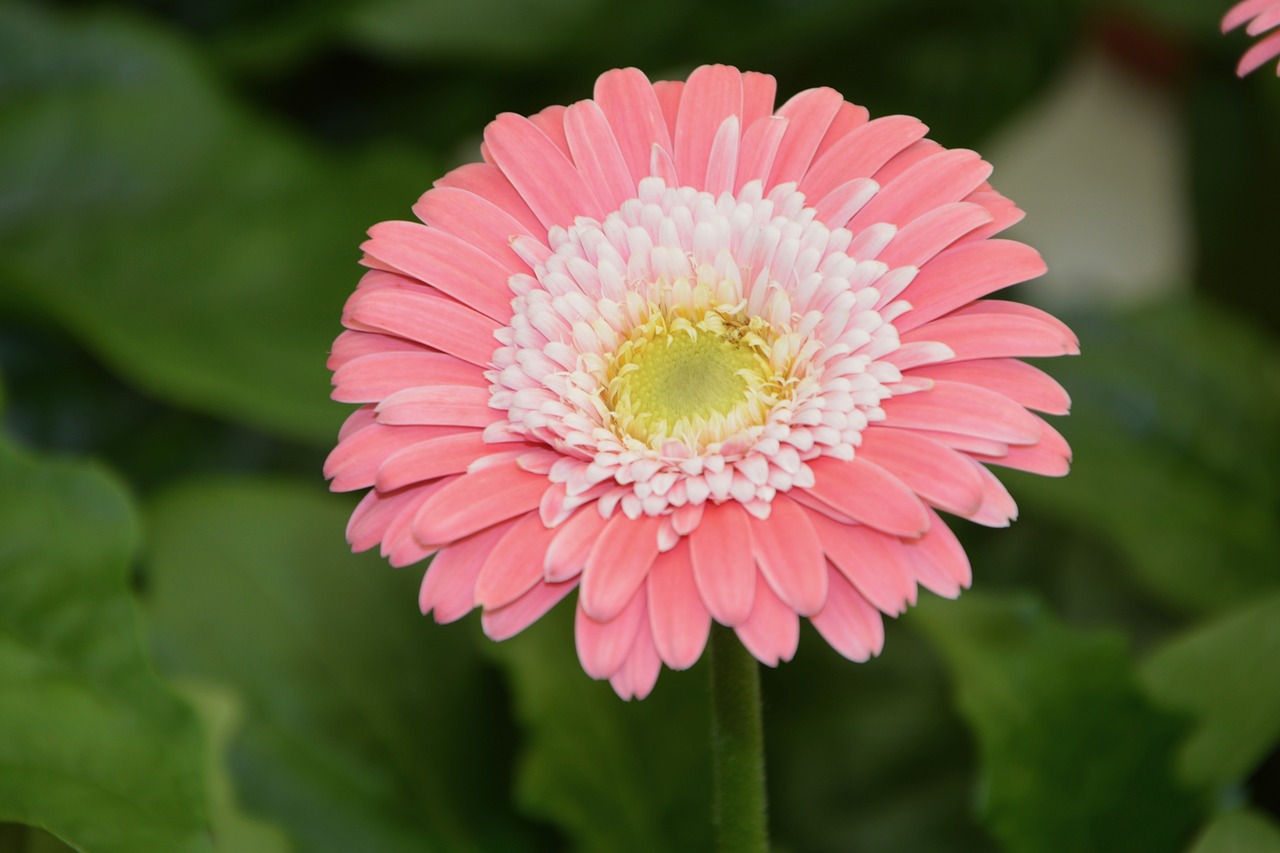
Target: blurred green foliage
(189, 657)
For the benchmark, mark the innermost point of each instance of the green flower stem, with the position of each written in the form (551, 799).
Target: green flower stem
(737, 746)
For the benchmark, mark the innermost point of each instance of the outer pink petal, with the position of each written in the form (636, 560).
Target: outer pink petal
(996, 335)
(946, 177)
(938, 560)
(374, 514)
(514, 566)
(851, 625)
(597, 155)
(868, 493)
(1266, 19)
(934, 471)
(758, 92)
(669, 93)
(759, 147)
(430, 320)
(677, 617)
(442, 405)
(772, 631)
(449, 585)
(711, 94)
(964, 409)
(998, 507)
(370, 378)
(507, 621)
(487, 181)
(1260, 54)
(435, 457)
(809, 114)
(925, 236)
(449, 263)
(1021, 382)
(603, 644)
(639, 672)
(1243, 11)
(627, 99)
(354, 463)
(551, 122)
(567, 555)
(352, 344)
(1049, 457)
(872, 561)
(848, 118)
(540, 171)
(475, 220)
(966, 272)
(617, 565)
(861, 153)
(723, 565)
(478, 500)
(790, 556)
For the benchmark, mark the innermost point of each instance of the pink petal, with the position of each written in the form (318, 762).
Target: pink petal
(354, 463)
(440, 405)
(934, 471)
(758, 92)
(677, 617)
(963, 409)
(446, 262)
(1243, 11)
(478, 500)
(627, 100)
(603, 644)
(722, 161)
(963, 273)
(669, 93)
(369, 378)
(872, 561)
(475, 220)
(639, 672)
(449, 585)
(373, 515)
(946, 177)
(997, 335)
(430, 459)
(597, 155)
(867, 493)
(350, 345)
(848, 119)
(540, 171)
(790, 556)
(927, 235)
(505, 622)
(809, 114)
(514, 566)
(617, 565)
(723, 566)
(551, 122)
(860, 153)
(711, 94)
(772, 631)
(430, 320)
(568, 553)
(852, 626)
(1049, 457)
(998, 507)
(938, 560)
(487, 181)
(1024, 384)
(759, 147)
(1266, 19)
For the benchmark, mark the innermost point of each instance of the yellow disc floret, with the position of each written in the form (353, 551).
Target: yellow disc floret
(696, 379)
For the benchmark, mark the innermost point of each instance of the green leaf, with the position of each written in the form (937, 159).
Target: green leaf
(617, 776)
(94, 748)
(1174, 417)
(204, 254)
(1224, 676)
(365, 726)
(1074, 756)
(1239, 832)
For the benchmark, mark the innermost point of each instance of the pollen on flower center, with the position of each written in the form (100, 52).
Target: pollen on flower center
(694, 381)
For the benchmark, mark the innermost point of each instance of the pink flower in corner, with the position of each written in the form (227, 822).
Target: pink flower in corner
(1263, 16)
(698, 359)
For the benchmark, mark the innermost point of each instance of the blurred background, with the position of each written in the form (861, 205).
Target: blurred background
(191, 659)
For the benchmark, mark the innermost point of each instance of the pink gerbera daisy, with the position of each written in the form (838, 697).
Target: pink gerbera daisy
(1262, 15)
(698, 359)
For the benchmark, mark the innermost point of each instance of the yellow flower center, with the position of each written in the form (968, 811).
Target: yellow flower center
(696, 379)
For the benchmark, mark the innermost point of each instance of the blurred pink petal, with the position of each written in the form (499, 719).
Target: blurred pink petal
(1262, 17)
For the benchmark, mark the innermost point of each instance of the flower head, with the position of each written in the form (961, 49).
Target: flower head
(1262, 16)
(698, 359)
